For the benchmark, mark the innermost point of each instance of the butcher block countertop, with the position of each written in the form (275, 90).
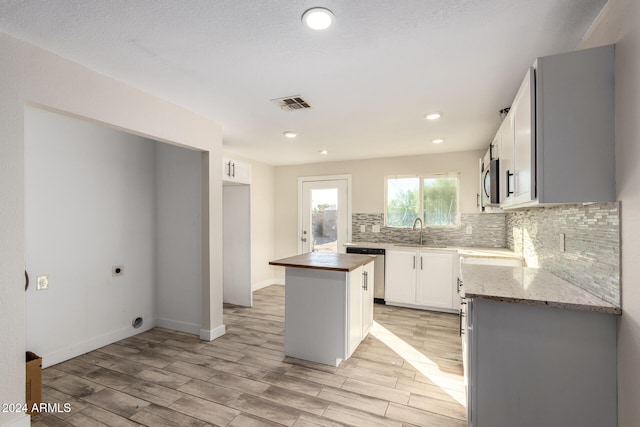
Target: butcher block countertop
(530, 286)
(325, 261)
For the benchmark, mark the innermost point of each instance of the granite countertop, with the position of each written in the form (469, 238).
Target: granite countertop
(325, 261)
(462, 251)
(531, 286)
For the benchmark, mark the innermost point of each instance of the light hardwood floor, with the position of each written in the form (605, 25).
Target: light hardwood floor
(407, 372)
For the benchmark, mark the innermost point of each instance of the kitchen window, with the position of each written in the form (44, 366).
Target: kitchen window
(433, 198)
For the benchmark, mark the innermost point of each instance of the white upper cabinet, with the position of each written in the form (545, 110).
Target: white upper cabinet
(561, 145)
(234, 171)
(505, 136)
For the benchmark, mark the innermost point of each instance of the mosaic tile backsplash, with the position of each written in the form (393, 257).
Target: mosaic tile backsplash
(487, 230)
(591, 259)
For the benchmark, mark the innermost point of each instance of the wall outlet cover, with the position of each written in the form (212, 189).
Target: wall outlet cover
(375, 228)
(363, 228)
(469, 229)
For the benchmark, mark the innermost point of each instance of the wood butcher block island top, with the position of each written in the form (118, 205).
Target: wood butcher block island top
(325, 261)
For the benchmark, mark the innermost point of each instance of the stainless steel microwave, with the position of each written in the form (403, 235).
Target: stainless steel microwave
(489, 181)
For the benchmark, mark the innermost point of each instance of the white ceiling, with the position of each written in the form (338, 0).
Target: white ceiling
(370, 78)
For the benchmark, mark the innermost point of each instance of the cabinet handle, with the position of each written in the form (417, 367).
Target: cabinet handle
(477, 200)
(509, 175)
(233, 174)
(414, 262)
(420, 262)
(365, 285)
(26, 280)
(491, 152)
(460, 316)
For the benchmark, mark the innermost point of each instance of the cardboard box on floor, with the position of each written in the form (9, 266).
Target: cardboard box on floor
(34, 380)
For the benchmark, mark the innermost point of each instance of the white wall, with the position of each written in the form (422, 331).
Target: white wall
(31, 75)
(179, 246)
(619, 23)
(262, 221)
(367, 185)
(90, 202)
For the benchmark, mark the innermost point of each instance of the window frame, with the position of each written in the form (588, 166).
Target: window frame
(421, 177)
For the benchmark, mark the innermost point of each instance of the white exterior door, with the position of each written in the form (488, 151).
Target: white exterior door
(324, 214)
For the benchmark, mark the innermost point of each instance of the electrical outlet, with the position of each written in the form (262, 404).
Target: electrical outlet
(42, 283)
(117, 270)
(363, 228)
(469, 229)
(561, 240)
(375, 228)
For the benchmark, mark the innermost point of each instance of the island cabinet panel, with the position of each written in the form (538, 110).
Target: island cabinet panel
(327, 313)
(531, 366)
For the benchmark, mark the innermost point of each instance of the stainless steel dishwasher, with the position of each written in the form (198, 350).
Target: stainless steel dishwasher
(378, 269)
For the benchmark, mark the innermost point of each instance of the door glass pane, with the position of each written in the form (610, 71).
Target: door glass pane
(324, 213)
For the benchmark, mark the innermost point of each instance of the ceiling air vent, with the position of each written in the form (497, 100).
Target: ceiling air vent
(291, 103)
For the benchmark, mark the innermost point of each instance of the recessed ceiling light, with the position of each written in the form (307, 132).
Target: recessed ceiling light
(323, 152)
(289, 134)
(318, 18)
(433, 116)
(438, 141)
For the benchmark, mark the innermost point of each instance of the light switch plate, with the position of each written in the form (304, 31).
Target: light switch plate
(375, 228)
(363, 228)
(42, 282)
(561, 240)
(469, 229)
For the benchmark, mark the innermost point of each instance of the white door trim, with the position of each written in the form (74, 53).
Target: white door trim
(303, 179)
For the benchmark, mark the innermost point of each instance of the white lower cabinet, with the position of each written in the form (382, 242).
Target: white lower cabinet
(422, 279)
(360, 313)
(531, 366)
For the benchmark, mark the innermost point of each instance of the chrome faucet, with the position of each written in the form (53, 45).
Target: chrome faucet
(415, 221)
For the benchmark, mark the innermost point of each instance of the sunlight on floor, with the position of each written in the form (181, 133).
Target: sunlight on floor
(412, 356)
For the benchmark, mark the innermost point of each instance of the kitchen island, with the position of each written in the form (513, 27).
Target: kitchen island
(328, 304)
(538, 350)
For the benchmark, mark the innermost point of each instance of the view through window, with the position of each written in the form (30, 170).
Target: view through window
(433, 198)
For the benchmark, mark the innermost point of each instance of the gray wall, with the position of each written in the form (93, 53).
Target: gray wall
(591, 258)
(179, 246)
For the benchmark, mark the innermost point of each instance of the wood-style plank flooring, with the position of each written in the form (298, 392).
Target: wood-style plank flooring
(407, 372)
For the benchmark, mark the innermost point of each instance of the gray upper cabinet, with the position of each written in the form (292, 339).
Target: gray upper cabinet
(561, 149)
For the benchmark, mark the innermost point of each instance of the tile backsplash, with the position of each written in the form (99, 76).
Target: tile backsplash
(591, 256)
(487, 230)
(591, 259)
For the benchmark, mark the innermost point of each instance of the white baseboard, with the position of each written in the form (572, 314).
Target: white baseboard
(93, 343)
(212, 334)
(266, 283)
(175, 325)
